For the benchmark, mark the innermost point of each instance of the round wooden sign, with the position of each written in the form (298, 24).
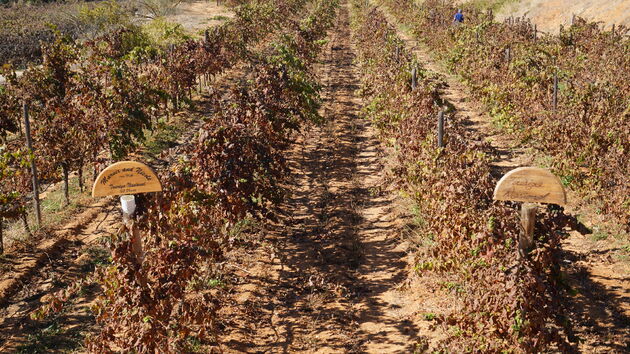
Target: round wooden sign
(126, 177)
(531, 184)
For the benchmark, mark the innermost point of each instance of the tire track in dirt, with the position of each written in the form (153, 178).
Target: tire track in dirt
(328, 279)
(600, 307)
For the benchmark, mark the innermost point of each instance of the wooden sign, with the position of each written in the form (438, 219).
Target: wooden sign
(126, 177)
(530, 184)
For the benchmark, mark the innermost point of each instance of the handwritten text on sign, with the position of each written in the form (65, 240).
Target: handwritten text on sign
(530, 184)
(126, 177)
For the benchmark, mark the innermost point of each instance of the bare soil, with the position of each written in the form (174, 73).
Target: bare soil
(196, 16)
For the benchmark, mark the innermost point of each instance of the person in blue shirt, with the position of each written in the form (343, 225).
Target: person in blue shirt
(459, 17)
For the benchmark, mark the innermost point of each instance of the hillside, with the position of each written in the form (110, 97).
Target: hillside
(550, 14)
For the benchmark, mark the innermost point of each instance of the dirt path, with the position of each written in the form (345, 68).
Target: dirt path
(598, 276)
(85, 249)
(327, 278)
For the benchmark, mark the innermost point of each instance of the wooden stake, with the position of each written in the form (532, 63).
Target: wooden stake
(137, 249)
(1, 235)
(440, 130)
(27, 229)
(29, 145)
(65, 170)
(414, 78)
(80, 175)
(555, 90)
(528, 221)
(507, 54)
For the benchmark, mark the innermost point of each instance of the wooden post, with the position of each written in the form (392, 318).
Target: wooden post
(572, 19)
(535, 32)
(136, 247)
(555, 90)
(65, 170)
(29, 145)
(477, 36)
(528, 221)
(1, 235)
(136, 240)
(128, 204)
(507, 55)
(27, 229)
(440, 130)
(414, 78)
(80, 175)
(397, 53)
(613, 30)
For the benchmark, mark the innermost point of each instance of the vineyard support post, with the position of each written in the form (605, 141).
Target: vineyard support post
(535, 32)
(65, 169)
(29, 145)
(440, 130)
(507, 55)
(414, 78)
(528, 221)
(555, 90)
(27, 228)
(1, 235)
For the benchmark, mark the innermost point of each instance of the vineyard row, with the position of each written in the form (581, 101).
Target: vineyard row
(156, 297)
(508, 302)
